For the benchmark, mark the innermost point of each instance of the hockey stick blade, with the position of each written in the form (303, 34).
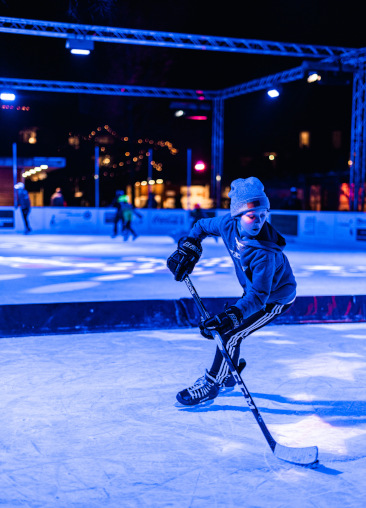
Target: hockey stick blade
(301, 456)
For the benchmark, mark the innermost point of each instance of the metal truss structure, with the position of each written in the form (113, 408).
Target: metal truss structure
(338, 57)
(358, 140)
(165, 39)
(101, 89)
(217, 148)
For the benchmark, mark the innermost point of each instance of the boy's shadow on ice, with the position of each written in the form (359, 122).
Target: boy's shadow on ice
(337, 412)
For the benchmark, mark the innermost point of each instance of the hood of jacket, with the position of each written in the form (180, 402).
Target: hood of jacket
(268, 239)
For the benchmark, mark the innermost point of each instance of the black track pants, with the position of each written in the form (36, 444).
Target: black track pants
(232, 340)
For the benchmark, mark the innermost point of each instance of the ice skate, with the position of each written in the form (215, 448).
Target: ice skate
(228, 384)
(205, 388)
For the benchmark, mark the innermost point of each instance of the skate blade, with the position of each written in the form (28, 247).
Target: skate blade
(195, 406)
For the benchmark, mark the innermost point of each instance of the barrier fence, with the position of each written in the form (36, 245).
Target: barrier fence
(86, 317)
(333, 228)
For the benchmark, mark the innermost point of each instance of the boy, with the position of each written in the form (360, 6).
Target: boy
(261, 267)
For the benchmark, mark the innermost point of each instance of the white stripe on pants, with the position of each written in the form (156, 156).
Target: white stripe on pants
(234, 339)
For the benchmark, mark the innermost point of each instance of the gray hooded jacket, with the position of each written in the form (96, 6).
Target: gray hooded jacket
(261, 266)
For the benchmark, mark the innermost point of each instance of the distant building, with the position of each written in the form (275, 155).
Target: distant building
(34, 168)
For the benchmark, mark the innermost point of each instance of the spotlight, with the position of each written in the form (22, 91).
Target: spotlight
(79, 46)
(273, 93)
(313, 77)
(6, 96)
(200, 166)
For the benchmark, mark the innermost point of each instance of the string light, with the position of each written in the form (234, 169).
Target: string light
(140, 141)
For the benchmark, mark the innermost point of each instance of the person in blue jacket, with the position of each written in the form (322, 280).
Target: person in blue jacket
(22, 200)
(263, 271)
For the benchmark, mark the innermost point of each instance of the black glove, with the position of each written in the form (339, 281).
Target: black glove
(184, 259)
(224, 322)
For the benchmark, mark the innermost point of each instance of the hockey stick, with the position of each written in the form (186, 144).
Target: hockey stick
(301, 456)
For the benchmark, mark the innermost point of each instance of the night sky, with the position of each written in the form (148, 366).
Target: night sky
(252, 124)
(313, 22)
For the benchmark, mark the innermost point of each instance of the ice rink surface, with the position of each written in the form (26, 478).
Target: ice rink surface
(64, 268)
(90, 421)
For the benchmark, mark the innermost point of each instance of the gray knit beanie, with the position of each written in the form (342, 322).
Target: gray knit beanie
(247, 194)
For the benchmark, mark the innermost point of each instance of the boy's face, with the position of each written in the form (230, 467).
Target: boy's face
(250, 223)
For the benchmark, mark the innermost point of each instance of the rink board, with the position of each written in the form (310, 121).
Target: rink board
(324, 228)
(83, 317)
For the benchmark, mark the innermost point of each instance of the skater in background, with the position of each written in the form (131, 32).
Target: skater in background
(22, 200)
(57, 198)
(292, 202)
(128, 211)
(196, 214)
(117, 203)
(261, 267)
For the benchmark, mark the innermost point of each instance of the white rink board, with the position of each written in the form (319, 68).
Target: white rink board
(331, 228)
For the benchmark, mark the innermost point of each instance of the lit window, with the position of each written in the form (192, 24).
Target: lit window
(74, 141)
(304, 139)
(29, 136)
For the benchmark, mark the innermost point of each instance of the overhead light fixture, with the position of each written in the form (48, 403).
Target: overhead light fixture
(326, 73)
(80, 46)
(313, 77)
(273, 93)
(191, 110)
(7, 96)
